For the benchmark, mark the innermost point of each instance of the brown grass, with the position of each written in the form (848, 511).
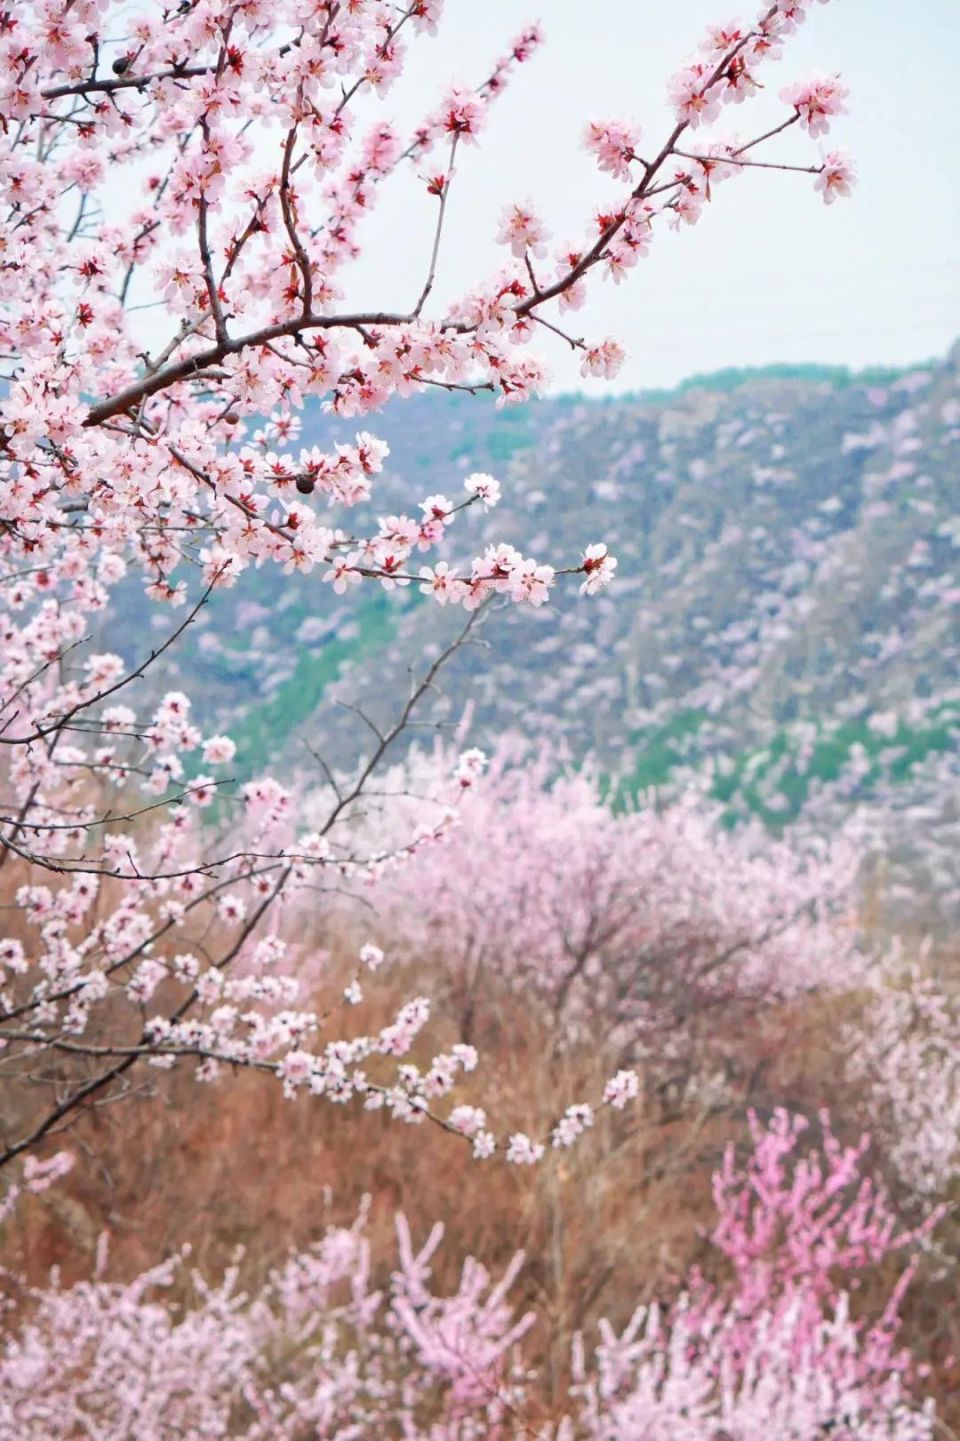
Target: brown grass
(606, 1225)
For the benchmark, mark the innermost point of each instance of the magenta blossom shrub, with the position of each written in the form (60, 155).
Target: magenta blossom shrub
(801, 1225)
(774, 1352)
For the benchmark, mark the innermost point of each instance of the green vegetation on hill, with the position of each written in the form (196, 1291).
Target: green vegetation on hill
(265, 729)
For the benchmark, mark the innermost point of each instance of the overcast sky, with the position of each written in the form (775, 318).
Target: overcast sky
(770, 273)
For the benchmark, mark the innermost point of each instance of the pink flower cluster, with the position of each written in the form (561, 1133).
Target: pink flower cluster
(816, 102)
(501, 570)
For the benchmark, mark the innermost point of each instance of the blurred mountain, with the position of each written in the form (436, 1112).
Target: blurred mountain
(784, 628)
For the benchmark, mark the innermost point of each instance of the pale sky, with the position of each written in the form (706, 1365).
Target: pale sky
(770, 273)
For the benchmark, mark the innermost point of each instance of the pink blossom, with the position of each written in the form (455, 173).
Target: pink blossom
(462, 114)
(599, 568)
(470, 766)
(441, 583)
(371, 956)
(604, 359)
(816, 101)
(530, 582)
(343, 574)
(219, 750)
(521, 1151)
(614, 145)
(697, 102)
(621, 1088)
(574, 1121)
(837, 178)
(523, 232)
(484, 487)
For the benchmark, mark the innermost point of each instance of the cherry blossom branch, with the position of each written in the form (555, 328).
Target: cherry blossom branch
(41, 732)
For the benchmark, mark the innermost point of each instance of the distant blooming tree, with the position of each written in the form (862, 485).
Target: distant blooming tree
(906, 1049)
(625, 921)
(207, 162)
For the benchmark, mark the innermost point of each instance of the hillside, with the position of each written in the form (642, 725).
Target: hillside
(784, 624)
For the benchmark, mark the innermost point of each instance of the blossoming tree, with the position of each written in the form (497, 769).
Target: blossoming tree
(139, 935)
(626, 924)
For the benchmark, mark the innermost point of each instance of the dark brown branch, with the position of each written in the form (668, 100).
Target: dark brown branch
(125, 82)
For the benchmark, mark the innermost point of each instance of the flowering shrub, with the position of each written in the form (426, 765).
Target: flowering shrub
(317, 1351)
(320, 1350)
(790, 1223)
(777, 1354)
(906, 1049)
(661, 1379)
